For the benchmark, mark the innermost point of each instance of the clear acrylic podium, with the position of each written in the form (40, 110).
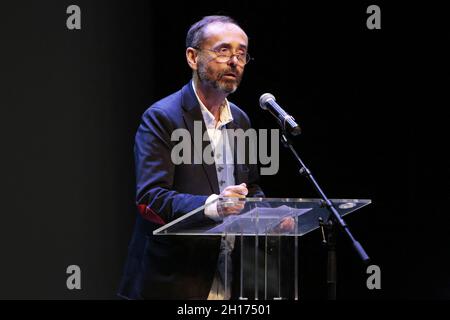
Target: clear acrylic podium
(266, 232)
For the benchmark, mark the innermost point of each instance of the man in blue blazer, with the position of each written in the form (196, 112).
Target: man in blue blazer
(185, 267)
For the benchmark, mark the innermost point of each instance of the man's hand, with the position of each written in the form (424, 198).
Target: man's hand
(287, 224)
(225, 208)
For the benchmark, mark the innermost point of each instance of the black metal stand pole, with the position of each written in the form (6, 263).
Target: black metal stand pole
(329, 240)
(335, 216)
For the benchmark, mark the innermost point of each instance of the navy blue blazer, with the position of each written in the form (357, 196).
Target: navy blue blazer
(174, 267)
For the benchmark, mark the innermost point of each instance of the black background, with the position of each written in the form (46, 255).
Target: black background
(371, 104)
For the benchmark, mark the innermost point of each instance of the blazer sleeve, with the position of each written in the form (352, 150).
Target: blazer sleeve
(155, 170)
(254, 190)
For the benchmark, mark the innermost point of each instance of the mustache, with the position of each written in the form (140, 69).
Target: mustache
(232, 70)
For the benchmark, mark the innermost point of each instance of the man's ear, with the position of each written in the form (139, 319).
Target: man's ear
(191, 57)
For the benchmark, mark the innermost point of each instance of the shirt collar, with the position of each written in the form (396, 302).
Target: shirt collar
(210, 121)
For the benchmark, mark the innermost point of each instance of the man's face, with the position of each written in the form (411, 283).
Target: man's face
(224, 76)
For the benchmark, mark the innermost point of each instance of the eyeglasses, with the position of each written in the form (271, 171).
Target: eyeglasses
(225, 54)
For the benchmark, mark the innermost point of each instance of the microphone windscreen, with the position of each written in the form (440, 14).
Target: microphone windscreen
(263, 100)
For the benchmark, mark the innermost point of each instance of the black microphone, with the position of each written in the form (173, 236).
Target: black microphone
(267, 102)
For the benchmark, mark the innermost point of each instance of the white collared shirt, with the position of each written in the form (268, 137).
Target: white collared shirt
(222, 151)
(223, 156)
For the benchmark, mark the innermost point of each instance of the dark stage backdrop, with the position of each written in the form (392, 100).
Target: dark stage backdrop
(370, 103)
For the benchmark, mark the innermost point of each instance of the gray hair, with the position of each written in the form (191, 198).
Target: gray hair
(195, 34)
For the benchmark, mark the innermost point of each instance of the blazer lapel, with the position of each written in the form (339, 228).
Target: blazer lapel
(192, 114)
(239, 168)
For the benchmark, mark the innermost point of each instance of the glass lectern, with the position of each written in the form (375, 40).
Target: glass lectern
(268, 267)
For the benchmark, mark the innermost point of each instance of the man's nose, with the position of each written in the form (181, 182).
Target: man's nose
(233, 60)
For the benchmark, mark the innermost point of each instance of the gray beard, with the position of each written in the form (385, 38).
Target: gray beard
(227, 89)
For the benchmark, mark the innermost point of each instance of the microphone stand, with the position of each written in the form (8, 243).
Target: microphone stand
(333, 219)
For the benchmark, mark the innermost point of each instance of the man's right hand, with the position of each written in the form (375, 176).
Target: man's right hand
(225, 208)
